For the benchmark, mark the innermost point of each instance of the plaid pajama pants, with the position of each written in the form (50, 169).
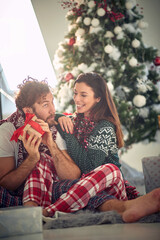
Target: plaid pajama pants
(63, 186)
(9, 200)
(39, 187)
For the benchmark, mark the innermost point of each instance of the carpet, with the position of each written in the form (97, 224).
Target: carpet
(88, 218)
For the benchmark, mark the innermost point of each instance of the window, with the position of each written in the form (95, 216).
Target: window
(22, 49)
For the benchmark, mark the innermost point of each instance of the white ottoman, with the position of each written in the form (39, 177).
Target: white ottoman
(15, 221)
(151, 171)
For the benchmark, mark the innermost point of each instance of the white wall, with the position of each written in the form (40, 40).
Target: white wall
(51, 18)
(151, 14)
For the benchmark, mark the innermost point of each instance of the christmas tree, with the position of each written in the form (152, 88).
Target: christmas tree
(105, 36)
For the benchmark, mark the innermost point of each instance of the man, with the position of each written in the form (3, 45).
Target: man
(45, 155)
(15, 162)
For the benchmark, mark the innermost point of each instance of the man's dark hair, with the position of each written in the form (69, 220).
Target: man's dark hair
(30, 91)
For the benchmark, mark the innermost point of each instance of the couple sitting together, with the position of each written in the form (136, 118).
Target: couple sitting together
(74, 165)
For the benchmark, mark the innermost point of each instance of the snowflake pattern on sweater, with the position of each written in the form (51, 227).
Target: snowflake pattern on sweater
(105, 141)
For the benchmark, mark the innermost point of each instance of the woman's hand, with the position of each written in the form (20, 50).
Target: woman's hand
(66, 124)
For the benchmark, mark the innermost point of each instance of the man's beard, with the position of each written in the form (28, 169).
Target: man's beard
(51, 123)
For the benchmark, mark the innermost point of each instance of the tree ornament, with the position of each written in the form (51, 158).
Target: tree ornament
(157, 61)
(91, 4)
(80, 32)
(129, 5)
(87, 21)
(68, 77)
(95, 22)
(109, 34)
(133, 62)
(71, 41)
(117, 30)
(101, 12)
(108, 48)
(135, 43)
(139, 101)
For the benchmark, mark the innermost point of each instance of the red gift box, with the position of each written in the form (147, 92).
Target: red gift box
(30, 126)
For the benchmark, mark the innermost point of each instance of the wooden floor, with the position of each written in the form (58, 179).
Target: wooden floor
(132, 231)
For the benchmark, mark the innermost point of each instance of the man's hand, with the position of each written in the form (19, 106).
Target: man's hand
(32, 145)
(10, 176)
(47, 137)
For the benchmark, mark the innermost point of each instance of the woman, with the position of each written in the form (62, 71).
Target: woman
(96, 124)
(94, 148)
(96, 129)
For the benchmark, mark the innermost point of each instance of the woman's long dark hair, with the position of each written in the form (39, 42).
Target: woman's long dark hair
(105, 108)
